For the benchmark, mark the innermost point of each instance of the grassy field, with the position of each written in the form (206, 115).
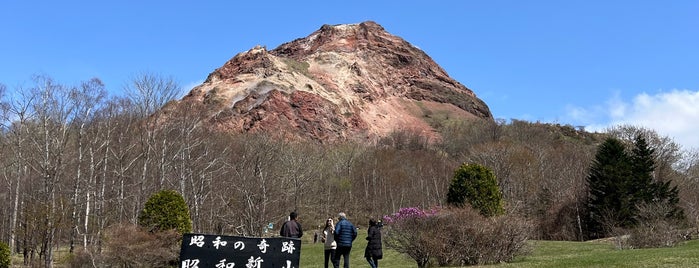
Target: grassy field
(544, 254)
(597, 254)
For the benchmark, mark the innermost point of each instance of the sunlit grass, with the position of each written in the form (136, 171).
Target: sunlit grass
(599, 254)
(544, 254)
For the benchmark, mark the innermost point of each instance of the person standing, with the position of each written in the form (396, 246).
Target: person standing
(373, 252)
(345, 233)
(291, 228)
(328, 238)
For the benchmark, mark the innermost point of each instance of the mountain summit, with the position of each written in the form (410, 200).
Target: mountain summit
(342, 82)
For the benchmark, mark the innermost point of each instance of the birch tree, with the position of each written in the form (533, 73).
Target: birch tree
(16, 117)
(85, 98)
(48, 141)
(148, 93)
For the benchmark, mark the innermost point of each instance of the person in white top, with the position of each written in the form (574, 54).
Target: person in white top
(329, 240)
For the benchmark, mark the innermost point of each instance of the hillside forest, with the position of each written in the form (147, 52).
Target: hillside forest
(76, 161)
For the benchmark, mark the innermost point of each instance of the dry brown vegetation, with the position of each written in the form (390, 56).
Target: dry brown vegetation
(458, 237)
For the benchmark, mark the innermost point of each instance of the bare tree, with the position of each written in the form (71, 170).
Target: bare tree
(12, 181)
(688, 183)
(298, 168)
(148, 93)
(114, 144)
(48, 140)
(86, 99)
(195, 157)
(343, 160)
(124, 136)
(16, 118)
(254, 166)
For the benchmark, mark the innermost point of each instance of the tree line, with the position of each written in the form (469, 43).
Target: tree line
(76, 161)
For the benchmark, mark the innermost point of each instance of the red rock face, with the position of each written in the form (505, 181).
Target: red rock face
(342, 82)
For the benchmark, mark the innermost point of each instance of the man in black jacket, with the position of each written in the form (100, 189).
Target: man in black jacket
(291, 228)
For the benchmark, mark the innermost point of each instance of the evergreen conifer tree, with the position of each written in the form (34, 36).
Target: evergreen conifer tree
(609, 203)
(650, 190)
(643, 165)
(620, 182)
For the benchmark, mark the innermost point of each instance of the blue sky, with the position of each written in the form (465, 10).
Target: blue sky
(583, 63)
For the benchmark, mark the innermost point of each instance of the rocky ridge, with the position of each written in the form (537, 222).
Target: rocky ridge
(342, 82)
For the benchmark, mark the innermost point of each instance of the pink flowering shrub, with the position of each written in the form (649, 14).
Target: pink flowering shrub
(409, 213)
(407, 233)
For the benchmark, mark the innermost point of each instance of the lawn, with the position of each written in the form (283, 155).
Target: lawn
(599, 254)
(544, 254)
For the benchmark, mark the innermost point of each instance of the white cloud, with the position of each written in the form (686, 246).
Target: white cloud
(674, 114)
(617, 106)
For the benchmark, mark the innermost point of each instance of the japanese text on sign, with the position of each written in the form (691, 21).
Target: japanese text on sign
(218, 251)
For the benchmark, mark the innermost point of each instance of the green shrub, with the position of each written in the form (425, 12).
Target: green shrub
(478, 186)
(166, 210)
(5, 260)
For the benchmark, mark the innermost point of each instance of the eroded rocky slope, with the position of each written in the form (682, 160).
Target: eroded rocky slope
(342, 82)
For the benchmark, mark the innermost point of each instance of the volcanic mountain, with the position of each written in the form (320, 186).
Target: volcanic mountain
(342, 82)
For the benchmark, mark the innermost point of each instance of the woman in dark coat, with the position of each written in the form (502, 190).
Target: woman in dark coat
(373, 252)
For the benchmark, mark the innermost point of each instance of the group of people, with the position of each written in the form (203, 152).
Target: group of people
(338, 238)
